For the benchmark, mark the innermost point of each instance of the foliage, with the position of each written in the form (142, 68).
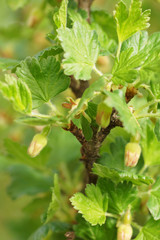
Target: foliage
(60, 92)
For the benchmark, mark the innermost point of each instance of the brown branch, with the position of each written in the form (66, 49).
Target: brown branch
(90, 149)
(86, 5)
(77, 132)
(78, 87)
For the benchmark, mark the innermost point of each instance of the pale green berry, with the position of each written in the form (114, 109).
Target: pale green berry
(124, 232)
(132, 154)
(103, 115)
(38, 143)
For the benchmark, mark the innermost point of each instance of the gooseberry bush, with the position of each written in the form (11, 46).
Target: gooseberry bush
(114, 193)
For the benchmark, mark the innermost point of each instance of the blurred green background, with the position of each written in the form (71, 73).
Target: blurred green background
(22, 34)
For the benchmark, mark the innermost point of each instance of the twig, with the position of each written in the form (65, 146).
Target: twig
(77, 132)
(86, 5)
(78, 87)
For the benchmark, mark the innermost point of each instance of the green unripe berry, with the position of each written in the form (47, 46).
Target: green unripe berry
(38, 143)
(103, 115)
(124, 232)
(132, 154)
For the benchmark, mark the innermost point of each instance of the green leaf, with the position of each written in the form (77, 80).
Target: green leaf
(50, 51)
(154, 200)
(118, 176)
(106, 21)
(132, 20)
(86, 231)
(7, 63)
(16, 4)
(120, 196)
(86, 128)
(151, 231)
(107, 46)
(54, 227)
(150, 145)
(44, 78)
(93, 206)
(116, 99)
(26, 180)
(139, 57)
(88, 94)
(60, 17)
(18, 93)
(55, 202)
(81, 50)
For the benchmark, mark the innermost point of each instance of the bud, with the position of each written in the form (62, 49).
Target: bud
(38, 143)
(124, 232)
(127, 218)
(132, 154)
(103, 115)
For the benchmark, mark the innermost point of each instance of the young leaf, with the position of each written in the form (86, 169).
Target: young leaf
(60, 17)
(154, 200)
(139, 57)
(150, 145)
(132, 20)
(93, 206)
(18, 93)
(88, 94)
(44, 78)
(81, 50)
(118, 176)
(26, 180)
(55, 203)
(116, 99)
(120, 196)
(150, 231)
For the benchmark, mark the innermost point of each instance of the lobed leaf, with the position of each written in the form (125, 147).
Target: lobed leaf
(43, 77)
(130, 21)
(81, 50)
(18, 93)
(60, 17)
(151, 231)
(120, 196)
(120, 175)
(93, 206)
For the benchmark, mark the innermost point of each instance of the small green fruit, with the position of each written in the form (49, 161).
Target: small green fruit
(103, 115)
(132, 154)
(124, 232)
(38, 143)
